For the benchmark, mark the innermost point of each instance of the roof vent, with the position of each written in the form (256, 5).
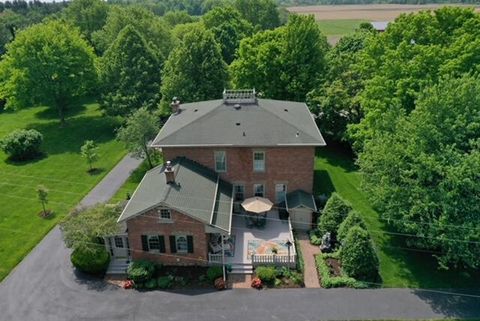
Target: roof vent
(195, 110)
(239, 96)
(237, 106)
(238, 124)
(169, 173)
(285, 110)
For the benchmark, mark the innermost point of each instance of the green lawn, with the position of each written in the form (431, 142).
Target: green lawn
(339, 27)
(399, 267)
(61, 170)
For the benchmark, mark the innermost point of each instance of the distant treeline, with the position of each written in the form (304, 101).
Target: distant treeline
(22, 7)
(325, 2)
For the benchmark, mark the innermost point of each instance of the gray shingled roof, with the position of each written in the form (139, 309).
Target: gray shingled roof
(300, 198)
(266, 123)
(197, 192)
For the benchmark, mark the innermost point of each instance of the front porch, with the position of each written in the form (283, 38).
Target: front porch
(252, 246)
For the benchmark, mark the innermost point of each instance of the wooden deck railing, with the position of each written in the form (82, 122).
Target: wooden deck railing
(274, 259)
(214, 258)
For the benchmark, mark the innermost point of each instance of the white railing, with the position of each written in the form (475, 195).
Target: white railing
(214, 258)
(274, 259)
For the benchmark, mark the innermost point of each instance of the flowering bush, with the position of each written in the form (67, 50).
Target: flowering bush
(220, 284)
(256, 283)
(128, 284)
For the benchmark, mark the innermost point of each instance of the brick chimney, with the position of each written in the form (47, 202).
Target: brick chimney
(169, 173)
(175, 105)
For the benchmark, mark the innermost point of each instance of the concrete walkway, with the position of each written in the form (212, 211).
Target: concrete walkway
(309, 251)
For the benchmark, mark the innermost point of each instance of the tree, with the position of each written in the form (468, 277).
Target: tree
(423, 177)
(42, 194)
(85, 228)
(353, 219)
(89, 151)
(177, 17)
(194, 70)
(22, 144)
(262, 14)
(153, 29)
(285, 63)
(88, 15)
(48, 63)
(228, 28)
(137, 132)
(335, 211)
(358, 257)
(129, 74)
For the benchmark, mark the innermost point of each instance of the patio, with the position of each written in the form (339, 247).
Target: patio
(257, 241)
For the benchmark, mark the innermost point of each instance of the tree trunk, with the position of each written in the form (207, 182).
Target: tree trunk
(44, 210)
(147, 154)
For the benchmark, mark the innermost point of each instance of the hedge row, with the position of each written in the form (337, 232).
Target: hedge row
(328, 281)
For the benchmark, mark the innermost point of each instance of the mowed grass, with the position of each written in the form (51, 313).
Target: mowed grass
(399, 265)
(339, 27)
(62, 170)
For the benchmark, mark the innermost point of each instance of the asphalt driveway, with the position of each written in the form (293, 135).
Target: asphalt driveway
(46, 287)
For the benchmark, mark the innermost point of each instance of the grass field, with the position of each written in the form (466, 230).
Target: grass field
(339, 27)
(399, 266)
(61, 170)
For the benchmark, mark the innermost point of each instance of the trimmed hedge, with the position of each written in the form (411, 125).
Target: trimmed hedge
(335, 211)
(358, 257)
(328, 281)
(315, 239)
(353, 219)
(22, 144)
(266, 273)
(214, 272)
(140, 271)
(93, 261)
(165, 282)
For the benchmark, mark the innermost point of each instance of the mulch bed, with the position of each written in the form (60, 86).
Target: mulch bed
(334, 266)
(191, 274)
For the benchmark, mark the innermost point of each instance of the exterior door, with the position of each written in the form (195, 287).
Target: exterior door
(301, 219)
(119, 245)
(239, 196)
(280, 192)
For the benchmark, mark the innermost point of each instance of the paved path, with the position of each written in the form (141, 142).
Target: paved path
(44, 286)
(309, 251)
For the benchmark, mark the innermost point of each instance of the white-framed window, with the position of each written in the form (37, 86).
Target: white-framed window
(119, 242)
(164, 214)
(153, 242)
(258, 161)
(220, 161)
(182, 243)
(239, 192)
(259, 190)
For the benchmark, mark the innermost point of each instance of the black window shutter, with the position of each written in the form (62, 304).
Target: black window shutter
(173, 244)
(161, 240)
(190, 243)
(144, 243)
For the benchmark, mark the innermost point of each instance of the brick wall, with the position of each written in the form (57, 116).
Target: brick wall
(283, 165)
(181, 224)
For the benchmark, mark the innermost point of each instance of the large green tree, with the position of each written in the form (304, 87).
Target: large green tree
(129, 74)
(88, 15)
(424, 176)
(262, 14)
(194, 70)
(154, 30)
(285, 63)
(48, 63)
(229, 28)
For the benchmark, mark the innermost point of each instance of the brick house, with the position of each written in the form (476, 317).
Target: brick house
(219, 153)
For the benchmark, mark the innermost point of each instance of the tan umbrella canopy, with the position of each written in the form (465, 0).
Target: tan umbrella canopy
(257, 204)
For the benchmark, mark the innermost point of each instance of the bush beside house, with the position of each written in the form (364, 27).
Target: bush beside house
(94, 260)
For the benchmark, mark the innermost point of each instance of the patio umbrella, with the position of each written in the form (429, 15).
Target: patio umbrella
(257, 205)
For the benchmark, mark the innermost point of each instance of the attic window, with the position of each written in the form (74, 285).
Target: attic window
(286, 110)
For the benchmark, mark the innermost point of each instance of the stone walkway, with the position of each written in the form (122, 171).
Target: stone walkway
(239, 281)
(309, 251)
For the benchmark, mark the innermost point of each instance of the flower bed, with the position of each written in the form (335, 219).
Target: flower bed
(331, 274)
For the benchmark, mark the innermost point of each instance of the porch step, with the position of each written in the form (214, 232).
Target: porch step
(117, 267)
(242, 268)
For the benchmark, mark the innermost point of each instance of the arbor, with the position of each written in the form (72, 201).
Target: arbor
(129, 74)
(423, 177)
(262, 14)
(194, 70)
(139, 129)
(153, 29)
(89, 151)
(335, 211)
(285, 63)
(228, 28)
(358, 256)
(48, 63)
(88, 15)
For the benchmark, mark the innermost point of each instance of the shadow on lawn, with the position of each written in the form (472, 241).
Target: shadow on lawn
(325, 186)
(338, 156)
(76, 108)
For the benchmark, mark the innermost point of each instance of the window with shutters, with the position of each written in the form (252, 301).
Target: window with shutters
(182, 244)
(153, 242)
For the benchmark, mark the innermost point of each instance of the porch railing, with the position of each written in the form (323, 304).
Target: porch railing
(274, 259)
(214, 258)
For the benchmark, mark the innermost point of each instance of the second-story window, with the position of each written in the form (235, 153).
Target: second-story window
(258, 161)
(220, 161)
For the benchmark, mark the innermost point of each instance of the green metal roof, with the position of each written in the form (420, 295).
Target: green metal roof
(198, 192)
(300, 198)
(264, 123)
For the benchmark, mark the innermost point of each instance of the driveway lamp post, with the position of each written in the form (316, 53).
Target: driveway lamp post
(289, 245)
